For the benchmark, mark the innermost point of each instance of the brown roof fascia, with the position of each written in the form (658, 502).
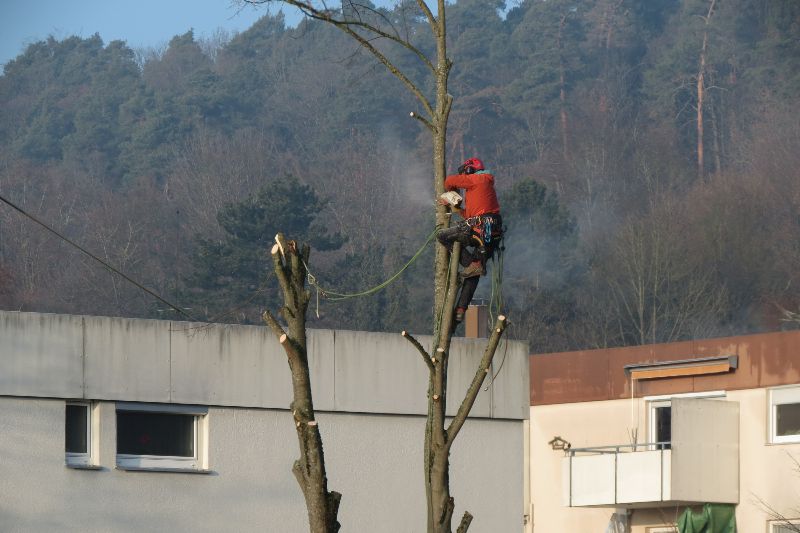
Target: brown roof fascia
(766, 359)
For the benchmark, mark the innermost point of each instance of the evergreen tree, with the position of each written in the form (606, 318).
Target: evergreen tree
(233, 273)
(542, 266)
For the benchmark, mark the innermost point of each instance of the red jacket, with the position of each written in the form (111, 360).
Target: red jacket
(480, 197)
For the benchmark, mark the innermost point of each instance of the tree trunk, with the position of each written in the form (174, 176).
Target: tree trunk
(309, 470)
(439, 133)
(701, 93)
(715, 132)
(562, 90)
(700, 130)
(438, 439)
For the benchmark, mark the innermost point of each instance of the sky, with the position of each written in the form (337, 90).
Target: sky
(142, 23)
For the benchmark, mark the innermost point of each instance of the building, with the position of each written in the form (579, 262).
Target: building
(632, 436)
(110, 424)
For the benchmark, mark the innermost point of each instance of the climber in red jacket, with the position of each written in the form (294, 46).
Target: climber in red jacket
(480, 231)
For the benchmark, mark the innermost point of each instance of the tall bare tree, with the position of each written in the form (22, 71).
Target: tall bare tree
(702, 89)
(375, 31)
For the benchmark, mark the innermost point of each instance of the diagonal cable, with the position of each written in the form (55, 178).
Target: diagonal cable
(93, 256)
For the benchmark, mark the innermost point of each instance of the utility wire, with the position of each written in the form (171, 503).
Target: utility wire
(93, 256)
(312, 280)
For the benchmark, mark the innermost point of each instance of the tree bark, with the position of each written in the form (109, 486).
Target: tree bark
(309, 470)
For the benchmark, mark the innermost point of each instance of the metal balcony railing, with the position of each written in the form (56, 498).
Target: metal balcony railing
(625, 479)
(615, 448)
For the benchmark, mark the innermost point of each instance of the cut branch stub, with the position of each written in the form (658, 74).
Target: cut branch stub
(466, 520)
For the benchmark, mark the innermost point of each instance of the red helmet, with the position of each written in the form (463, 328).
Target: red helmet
(473, 164)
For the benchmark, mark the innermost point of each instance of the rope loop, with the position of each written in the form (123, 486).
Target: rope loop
(337, 296)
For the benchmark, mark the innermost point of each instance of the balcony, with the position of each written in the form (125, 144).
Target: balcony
(699, 465)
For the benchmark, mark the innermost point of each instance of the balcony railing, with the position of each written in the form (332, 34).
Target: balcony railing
(618, 475)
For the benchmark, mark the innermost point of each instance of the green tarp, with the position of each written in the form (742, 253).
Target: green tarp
(714, 518)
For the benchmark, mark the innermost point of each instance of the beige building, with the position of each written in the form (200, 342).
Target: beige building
(625, 439)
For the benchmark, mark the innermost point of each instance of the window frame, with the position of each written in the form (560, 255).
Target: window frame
(167, 463)
(771, 528)
(82, 460)
(652, 419)
(788, 394)
(665, 400)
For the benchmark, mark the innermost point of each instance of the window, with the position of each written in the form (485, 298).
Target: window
(784, 415)
(659, 414)
(78, 435)
(161, 437)
(784, 526)
(661, 422)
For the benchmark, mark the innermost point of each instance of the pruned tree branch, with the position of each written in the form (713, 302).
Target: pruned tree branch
(326, 15)
(483, 369)
(466, 520)
(425, 357)
(431, 19)
(425, 121)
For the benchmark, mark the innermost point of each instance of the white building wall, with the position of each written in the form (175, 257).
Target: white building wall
(369, 391)
(373, 460)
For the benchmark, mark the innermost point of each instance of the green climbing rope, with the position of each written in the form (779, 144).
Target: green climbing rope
(496, 302)
(446, 292)
(336, 296)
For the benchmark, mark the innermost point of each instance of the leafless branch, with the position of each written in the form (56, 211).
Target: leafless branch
(431, 19)
(347, 26)
(425, 356)
(480, 375)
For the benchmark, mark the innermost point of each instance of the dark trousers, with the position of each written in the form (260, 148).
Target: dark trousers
(470, 251)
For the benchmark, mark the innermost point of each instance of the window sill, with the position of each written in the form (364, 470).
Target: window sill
(163, 470)
(784, 443)
(83, 467)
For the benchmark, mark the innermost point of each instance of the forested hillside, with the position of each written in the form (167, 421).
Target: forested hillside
(646, 153)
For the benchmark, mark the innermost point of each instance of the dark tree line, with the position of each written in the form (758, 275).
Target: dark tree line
(646, 154)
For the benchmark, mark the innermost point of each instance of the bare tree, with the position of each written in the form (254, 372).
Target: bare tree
(659, 292)
(438, 438)
(372, 29)
(701, 91)
(774, 514)
(289, 264)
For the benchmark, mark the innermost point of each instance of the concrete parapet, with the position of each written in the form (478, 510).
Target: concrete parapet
(105, 358)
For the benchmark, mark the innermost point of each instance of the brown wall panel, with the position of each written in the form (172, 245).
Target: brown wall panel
(766, 359)
(580, 376)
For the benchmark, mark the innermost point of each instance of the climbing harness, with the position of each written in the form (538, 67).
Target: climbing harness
(487, 230)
